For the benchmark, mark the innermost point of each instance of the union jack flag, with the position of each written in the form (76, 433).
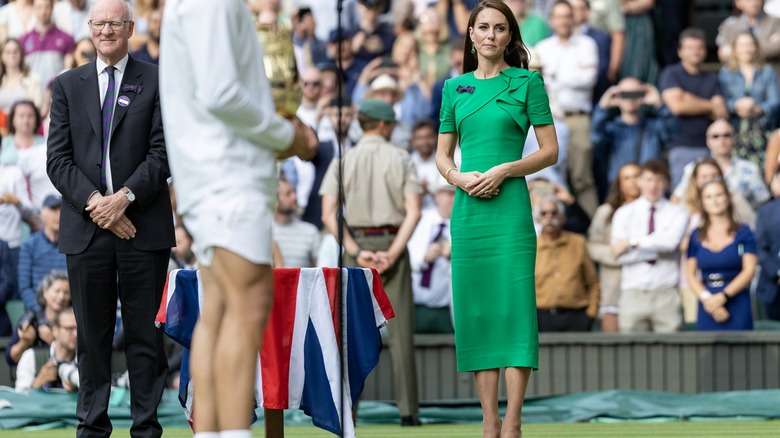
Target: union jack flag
(299, 365)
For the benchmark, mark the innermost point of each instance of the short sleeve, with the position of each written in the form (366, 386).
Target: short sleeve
(446, 114)
(537, 102)
(329, 184)
(668, 79)
(616, 21)
(746, 241)
(411, 181)
(693, 244)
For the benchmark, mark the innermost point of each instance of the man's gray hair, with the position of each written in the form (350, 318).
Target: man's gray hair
(559, 205)
(128, 9)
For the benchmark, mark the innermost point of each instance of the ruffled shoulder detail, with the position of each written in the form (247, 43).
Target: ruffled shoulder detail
(515, 94)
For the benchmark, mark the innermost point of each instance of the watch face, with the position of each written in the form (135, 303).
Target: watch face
(131, 196)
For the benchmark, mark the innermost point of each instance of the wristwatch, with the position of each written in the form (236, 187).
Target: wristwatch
(130, 195)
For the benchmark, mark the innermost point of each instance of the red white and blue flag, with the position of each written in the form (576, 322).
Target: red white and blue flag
(299, 365)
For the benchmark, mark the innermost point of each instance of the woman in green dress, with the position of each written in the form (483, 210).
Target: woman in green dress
(488, 111)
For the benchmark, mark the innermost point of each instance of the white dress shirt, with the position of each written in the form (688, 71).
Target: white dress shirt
(570, 70)
(221, 128)
(119, 73)
(12, 181)
(439, 293)
(32, 163)
(557, 172)
(631, 222)
(428, 172)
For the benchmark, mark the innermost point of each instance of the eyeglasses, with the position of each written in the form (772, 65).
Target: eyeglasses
(114, 25)
(723, 135)
(548, 212)
(312, 84)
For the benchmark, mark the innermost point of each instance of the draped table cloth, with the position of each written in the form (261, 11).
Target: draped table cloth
(300, 362)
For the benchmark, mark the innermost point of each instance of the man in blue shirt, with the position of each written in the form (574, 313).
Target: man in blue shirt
(637, 134)
(694, 97)
(39, 253)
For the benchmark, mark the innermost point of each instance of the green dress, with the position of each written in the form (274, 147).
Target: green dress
(493, 240)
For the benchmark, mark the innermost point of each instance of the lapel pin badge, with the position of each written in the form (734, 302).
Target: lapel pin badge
(123, 101)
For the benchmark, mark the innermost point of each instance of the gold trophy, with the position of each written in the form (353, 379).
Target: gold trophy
(280, 67)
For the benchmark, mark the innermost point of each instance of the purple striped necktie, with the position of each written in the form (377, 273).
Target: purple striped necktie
(107, 113)
(425, 280)
(651, 227)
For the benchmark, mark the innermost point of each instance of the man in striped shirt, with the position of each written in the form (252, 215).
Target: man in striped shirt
(298, 241)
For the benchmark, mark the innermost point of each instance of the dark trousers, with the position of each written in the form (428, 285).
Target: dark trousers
(397, 282)
(109, 268)
(672, 19)
(563, 320)
(773, 309)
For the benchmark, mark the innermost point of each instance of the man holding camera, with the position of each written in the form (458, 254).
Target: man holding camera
(637, 133)
(60, 370)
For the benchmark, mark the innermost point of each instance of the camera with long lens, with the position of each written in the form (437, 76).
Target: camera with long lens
(68, 372)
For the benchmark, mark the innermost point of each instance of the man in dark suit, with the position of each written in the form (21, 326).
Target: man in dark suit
(768, 239)
(106, 155)
(326, 152)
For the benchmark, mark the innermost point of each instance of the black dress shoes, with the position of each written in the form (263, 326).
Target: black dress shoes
(411, 420)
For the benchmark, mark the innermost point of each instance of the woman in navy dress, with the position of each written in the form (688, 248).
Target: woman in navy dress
(721, 263)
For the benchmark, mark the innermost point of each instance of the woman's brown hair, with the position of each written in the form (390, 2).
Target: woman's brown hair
(22, 65)
(515, 54)
(692, 197)
(706, 222)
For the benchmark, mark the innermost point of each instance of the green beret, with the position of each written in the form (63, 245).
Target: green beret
(377, 110)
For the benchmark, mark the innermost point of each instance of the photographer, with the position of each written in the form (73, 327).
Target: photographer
(60, 370)
(34, 328)
(635, 135)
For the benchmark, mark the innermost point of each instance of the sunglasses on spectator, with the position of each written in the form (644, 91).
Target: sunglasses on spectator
(722, 135)
(632, 95)
(548, 213)
(312, 84)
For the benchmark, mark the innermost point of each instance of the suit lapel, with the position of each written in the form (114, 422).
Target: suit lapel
(132, 76)
(90, 93)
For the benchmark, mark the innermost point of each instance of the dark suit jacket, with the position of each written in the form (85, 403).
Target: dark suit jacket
(138, 157)
(604, 45)
(768, 239)
(313, 212)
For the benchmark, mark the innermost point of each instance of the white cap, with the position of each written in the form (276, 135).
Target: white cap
(384, 82)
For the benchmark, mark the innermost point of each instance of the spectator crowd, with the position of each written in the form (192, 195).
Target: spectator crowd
(662, 210)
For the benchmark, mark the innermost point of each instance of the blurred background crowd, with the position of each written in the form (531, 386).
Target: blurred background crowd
(675, 94)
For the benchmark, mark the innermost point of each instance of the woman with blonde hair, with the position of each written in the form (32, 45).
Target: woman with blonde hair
(722, 259)
(752, 96)
(705, 170)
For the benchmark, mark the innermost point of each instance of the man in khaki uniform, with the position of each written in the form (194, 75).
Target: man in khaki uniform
(382, 207)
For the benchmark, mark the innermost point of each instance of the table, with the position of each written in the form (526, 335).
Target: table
(301, 359)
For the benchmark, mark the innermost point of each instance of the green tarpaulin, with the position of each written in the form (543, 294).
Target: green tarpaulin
(41, 410)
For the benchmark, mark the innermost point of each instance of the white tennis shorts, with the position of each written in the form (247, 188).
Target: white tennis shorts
(239, 222)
